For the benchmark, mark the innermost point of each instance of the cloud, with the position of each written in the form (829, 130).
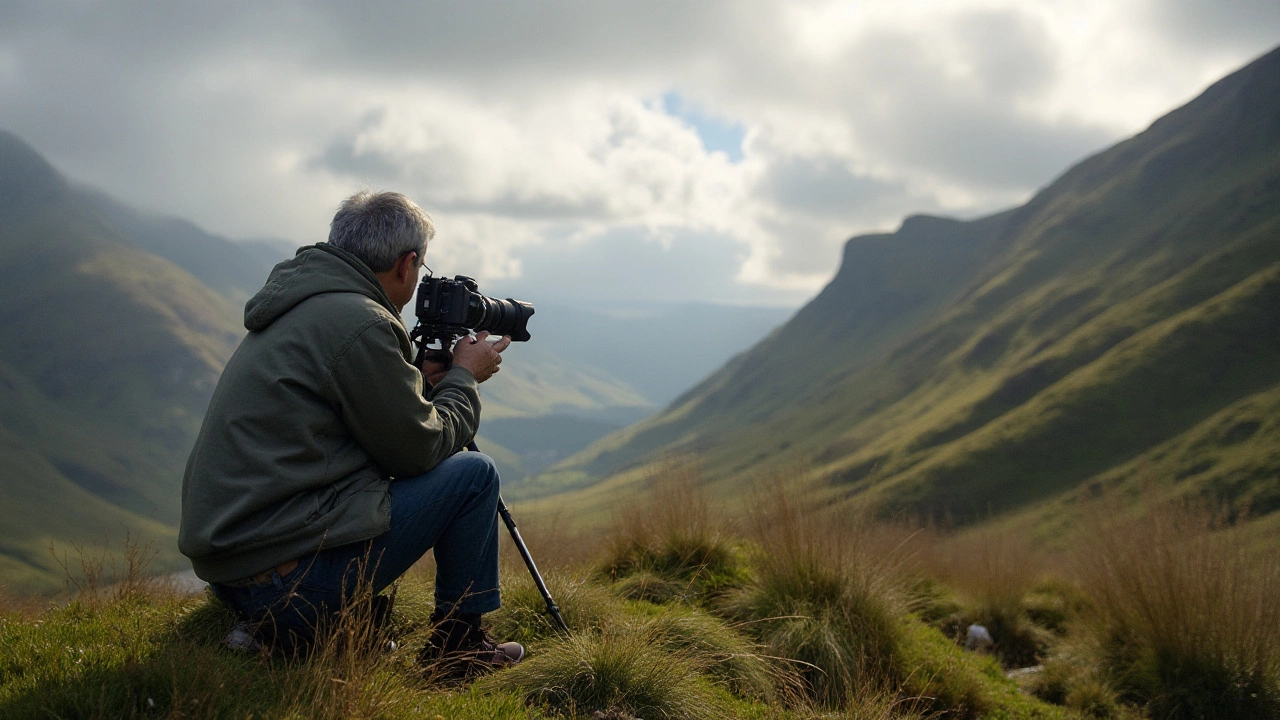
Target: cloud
(957, 105)
(629, 265)
(824, 187)
(1248, 25)
(602, 157)
(545, 137)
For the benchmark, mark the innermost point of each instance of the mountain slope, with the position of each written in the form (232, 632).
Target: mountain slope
(963, 369)
(108, 355)
(236, 270)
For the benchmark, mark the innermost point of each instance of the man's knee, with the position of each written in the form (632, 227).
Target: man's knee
(480, 467)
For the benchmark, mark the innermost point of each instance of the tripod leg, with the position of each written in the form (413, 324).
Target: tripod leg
(533, 568)
(510, 522)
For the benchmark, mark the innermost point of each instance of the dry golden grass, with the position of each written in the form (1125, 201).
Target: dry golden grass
(675, 544)
(677, 508)
(990, 567)
(825, 595)
(99, 574)
(557, 543)
(1187, 614)
(992, 570)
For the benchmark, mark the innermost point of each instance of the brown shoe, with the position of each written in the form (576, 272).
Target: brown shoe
(459, 648)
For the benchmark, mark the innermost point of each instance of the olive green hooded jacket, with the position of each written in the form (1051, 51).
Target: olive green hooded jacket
(317, 411)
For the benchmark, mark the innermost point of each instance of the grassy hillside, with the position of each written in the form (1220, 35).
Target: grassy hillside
(233, 269)
(676, 612)
(107, 357)
(677, 618)
(964, 369)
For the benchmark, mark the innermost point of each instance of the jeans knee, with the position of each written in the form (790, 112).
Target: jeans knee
(483, 469)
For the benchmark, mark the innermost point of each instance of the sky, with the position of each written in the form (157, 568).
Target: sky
(604, 152)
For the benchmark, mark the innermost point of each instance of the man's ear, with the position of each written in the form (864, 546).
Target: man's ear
(405, 266)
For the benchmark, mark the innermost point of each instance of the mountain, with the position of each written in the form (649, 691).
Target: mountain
(1123, 322)
(638, 342)
(108, 355)
(590, 371)
(235, 269)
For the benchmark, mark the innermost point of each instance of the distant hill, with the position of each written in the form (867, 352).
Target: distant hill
(590, 371)
(1121, 328)
(108, 355)
(235, 269)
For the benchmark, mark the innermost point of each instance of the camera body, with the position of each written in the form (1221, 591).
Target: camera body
(448, 309)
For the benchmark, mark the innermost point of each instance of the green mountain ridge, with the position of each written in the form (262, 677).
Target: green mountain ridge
(962, 370)
(108, 355)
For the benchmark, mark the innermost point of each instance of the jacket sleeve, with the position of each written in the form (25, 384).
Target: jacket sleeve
(380, 399)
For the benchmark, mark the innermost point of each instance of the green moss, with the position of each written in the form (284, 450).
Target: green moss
(961, 683)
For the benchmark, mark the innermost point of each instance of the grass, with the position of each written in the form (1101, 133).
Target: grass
(832, 615)
(821, 597)
(808, 631)
(1187, 623)
(626, 668)
(674, 546)
(993, 573)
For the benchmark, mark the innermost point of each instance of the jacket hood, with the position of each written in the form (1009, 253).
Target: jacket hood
(315, 270)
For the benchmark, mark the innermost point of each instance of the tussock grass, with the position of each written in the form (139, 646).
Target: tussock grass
(677, 544)
(1072, 678)
(820, 597)
(813, 625)
(562, 543)
(994, 572)
(729, 657)
(585, 605)
(628, 667)
(1056, 603)
(651, 587)
(944, 678)
(1187, 622)
(869, 706)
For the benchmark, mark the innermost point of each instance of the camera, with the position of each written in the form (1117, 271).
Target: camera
(448, 309)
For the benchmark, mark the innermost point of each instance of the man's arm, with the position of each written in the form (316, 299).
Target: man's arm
(380, 398)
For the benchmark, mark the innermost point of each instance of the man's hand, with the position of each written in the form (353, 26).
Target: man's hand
(479, 355)
(434, 372)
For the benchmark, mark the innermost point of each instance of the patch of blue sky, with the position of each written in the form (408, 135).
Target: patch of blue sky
(717, 134)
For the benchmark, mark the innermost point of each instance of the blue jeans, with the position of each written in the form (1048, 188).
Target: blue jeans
(453, 509)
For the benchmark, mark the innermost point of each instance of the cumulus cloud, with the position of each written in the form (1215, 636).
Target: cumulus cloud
(575, 146)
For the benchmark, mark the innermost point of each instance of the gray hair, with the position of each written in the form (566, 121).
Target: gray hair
(380, 227)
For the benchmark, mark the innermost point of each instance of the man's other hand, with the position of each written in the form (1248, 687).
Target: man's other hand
(434, 372)
(479, 355)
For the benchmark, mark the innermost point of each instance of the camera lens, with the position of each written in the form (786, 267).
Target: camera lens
(500, 317)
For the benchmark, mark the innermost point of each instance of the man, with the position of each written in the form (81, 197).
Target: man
(325, 463)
